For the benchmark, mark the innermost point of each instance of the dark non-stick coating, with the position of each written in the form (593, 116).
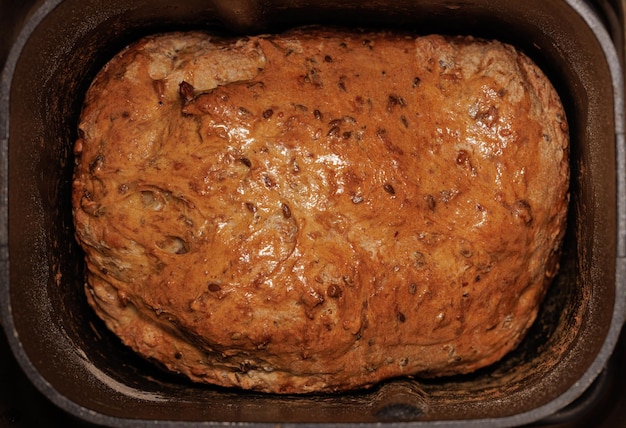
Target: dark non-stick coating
(82, 367)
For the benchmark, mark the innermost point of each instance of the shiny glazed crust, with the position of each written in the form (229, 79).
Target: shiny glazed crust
(320, 210)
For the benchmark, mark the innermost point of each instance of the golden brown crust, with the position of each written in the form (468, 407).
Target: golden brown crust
(320, 210)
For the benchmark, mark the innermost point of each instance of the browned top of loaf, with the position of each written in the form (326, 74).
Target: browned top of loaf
(320, 210)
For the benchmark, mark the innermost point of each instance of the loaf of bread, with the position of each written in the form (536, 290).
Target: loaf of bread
(320, 210)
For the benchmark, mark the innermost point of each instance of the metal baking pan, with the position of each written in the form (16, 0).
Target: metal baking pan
(81, 367)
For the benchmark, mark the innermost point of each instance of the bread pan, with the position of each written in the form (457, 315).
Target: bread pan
(69, 355)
